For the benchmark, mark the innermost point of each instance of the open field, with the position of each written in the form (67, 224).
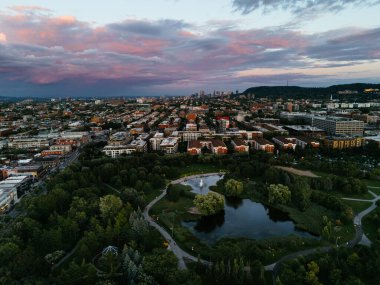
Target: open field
(357, 206)
(306, 173)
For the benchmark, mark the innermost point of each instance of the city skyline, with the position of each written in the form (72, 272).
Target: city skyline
(121, 48)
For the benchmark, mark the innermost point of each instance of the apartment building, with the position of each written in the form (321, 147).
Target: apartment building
(285, 143)
(117, 150)
(239, 145)
(156, 140)
(263, 145)
(28, 143)
(339, 125)
(343, 142)
(218, 147)
(169, 145)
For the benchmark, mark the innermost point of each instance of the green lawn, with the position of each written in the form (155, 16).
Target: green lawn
(311, 220)
(366, 195)
(374, 190)
(373, 183)
(357, 206)
(198, 169)
(371, 226)
(170, 215)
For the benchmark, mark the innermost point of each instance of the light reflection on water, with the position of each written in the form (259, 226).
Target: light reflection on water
(241, 218)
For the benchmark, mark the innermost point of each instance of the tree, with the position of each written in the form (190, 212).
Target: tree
(327, 230)
(279, 194)
(109, 206)
(209, 204)
(233, 188)
(301, 194)
(311, 275)
(160, 264)
(257, 272)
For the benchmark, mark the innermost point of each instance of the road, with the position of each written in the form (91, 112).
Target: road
(41, 183)
(179, 252)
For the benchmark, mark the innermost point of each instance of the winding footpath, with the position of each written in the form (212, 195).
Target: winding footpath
(360, 237)
(179, 252)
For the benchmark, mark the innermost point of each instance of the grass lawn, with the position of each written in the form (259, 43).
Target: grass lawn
(357, 206)
(373, 183)
(371, 226)
(366, 195)
(374, 190)
(170, 215)
(311, 220)
(198, 169)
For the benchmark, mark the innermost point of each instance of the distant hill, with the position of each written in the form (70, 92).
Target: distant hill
(307, 92)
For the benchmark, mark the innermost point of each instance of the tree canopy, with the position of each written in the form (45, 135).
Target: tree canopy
(209, 204)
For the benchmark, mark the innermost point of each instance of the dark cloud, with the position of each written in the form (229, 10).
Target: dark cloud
(298, 6)
(152, 29)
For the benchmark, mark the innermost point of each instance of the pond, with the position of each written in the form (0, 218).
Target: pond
(241, 218)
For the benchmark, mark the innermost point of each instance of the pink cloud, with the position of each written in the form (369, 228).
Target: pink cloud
(3, 38)
(46, 49)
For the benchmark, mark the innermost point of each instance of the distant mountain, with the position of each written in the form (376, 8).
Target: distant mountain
(307, 92)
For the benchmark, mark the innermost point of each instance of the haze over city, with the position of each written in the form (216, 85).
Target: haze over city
(133, 48)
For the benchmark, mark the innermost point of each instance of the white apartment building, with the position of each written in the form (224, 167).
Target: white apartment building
(169, 145)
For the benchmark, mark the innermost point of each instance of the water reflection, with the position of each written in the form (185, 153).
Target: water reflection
(240, 218)
(234, 202)
(210, 223)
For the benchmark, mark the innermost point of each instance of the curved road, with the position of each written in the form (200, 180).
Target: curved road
(274, 267)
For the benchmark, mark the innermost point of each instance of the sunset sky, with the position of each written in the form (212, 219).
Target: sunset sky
(97, 48)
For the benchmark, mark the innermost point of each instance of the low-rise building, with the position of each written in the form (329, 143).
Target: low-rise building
(48, 161)
(65, 148)
(139, 145)
(117, 150)
(194, 147)
(218, 147)
(34, 171)
(304, 142)
(191, 127)
(343, 142)
(285, 143)
(28, 143)
(11, 189)
(263, 145)
(4, 132)
(305, 130)
(50, 152)
(239, 145)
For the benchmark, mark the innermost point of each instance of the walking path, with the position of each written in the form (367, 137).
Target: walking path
(274, 267)
(63, 259)
(179, 252)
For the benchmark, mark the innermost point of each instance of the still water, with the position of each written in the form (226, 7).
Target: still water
(241, 218)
